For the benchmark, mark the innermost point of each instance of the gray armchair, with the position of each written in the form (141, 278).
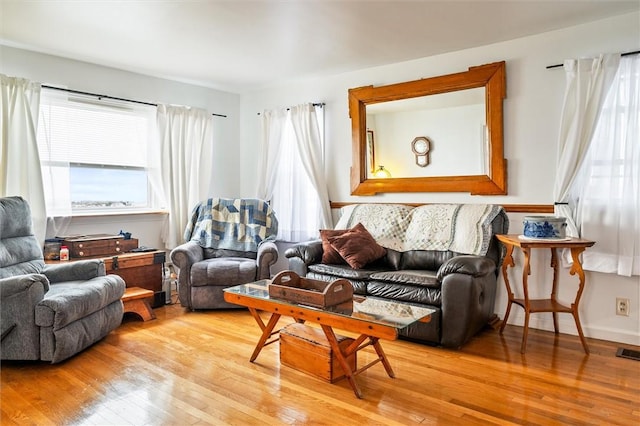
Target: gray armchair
(229, 242)
(49, 312)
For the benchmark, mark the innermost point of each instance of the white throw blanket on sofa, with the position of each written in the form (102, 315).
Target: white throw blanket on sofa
(462, 228)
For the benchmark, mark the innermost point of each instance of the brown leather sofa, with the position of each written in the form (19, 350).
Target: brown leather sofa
(460, 287)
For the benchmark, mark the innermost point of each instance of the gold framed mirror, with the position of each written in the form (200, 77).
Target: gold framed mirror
(493, 181)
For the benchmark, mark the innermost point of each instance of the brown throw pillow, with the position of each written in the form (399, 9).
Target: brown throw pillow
(357, 247)
(329, 255)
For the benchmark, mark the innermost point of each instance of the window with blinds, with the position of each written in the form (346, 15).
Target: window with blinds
(93, 153)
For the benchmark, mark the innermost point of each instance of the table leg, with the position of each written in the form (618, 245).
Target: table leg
(333, 341)
(576, 268)
(266, 331)
(526, 270)
(525, 332)
(579, 327)
(508, 261)
(554, 288)
(382, 356)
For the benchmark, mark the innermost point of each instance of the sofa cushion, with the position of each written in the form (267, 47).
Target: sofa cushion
(413, 277)
(20, 256)
(359, 285)
(70, 301)
(357, 247)
(405, 292)
(15, 218)
(208, 253)
(343, 271)
(223, 271)
(425, 259)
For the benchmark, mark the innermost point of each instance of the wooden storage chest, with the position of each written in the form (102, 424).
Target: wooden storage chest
(307, 349)
(143, 270)
(138, 269)
(98, 245)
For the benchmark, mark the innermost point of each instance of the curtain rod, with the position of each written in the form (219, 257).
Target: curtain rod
(315, 104)
(635, 52)
(78, 92)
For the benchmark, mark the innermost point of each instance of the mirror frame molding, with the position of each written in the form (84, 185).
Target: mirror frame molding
(490, 76)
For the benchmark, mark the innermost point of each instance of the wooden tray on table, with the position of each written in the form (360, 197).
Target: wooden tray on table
(287, 285)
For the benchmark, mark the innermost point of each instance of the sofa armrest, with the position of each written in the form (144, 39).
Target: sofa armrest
(12, 286)
(309, 252)
(81, 270)
(468, 297)
(267, 256)
(186, 255)
(183, 257)
(476, 266)
(19, 296)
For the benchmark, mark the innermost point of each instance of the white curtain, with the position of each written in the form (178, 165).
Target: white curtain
(609, 200)
(186, 153)
(587, 83)
(55, 167)
(20, 172)
(291, 172)
(310, 151)
(273, 127)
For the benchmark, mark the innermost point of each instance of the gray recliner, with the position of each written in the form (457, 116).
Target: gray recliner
(49, 312)
(230, 241)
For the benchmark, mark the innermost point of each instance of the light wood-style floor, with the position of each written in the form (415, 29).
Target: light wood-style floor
(188, 368)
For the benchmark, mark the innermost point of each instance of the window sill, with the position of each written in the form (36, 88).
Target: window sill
(106, 213)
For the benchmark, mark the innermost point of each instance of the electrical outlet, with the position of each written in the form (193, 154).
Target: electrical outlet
(622, 306)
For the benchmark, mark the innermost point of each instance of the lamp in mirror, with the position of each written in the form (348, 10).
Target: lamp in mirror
(382, 173)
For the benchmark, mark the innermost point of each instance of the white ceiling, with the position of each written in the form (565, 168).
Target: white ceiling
(242, 45)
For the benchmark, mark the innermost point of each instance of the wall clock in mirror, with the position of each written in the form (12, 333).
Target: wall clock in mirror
(421, 147)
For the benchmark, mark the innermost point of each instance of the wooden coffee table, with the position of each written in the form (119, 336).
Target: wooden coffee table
(370, 317)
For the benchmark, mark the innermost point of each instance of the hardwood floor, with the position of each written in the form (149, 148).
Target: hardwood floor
(189, 368)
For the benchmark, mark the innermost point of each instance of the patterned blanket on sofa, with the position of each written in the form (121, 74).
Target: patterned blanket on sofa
(240, 224)
(462, 228)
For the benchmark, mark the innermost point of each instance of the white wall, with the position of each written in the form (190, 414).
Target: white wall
(87, 77)
(457, 137)
(532, 114)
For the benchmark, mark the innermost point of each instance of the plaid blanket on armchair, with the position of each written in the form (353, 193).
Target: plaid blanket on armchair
(240, 224)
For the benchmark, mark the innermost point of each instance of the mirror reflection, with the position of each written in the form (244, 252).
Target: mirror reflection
(440, 134)
(454, 123)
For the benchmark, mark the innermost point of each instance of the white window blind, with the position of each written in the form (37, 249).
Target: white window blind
(93, 153)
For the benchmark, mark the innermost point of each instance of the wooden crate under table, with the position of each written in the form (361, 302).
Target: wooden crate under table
(307, 349)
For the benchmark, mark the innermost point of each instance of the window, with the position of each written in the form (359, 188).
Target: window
(608, 191)
(292, 171)
(93, 153)
(294, 188)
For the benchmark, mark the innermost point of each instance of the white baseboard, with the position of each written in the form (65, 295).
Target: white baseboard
(566, 325)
